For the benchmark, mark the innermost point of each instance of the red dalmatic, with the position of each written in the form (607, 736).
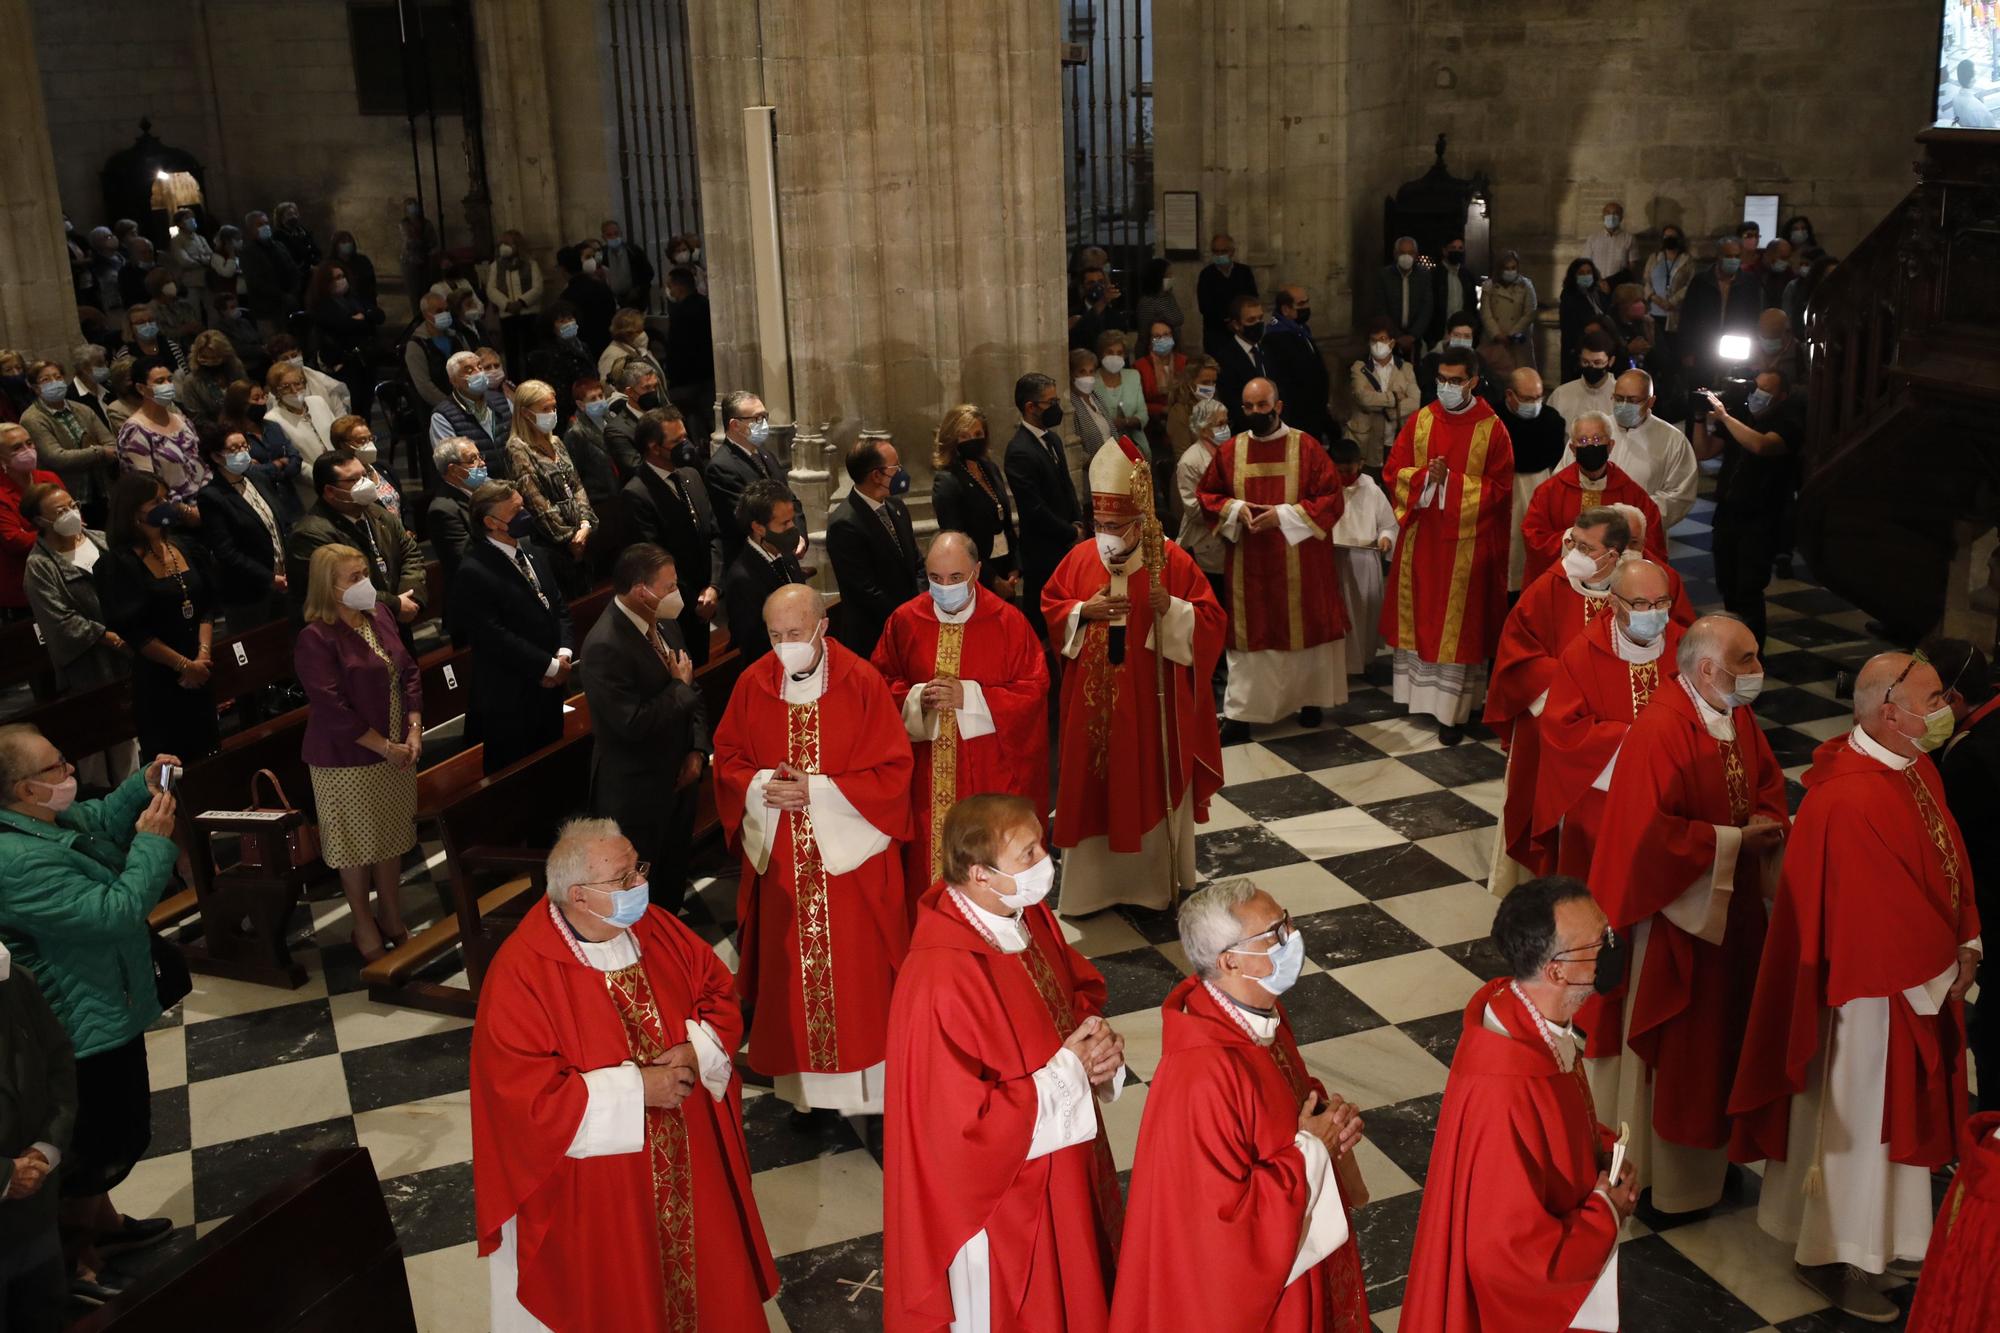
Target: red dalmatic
(1219, 1186)
(1875, 898)
(1447, 591)
(1285, 597)
(1960, 1290)
(1553, 508)
(995, 648)
(667, 1239)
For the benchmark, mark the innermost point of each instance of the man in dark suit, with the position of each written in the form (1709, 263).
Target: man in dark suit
(448, 518)
(1455, 287)
(1044, 493)
(506, 606)
(1222, 280)
(650, 721)
(348, 512)
(740, 461)
(1242, 357)
(766, 563)
(1297, 367)
(667, 505)
(872, 546)
(638, 393)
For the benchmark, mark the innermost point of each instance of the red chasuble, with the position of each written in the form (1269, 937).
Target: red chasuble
(969, 1027)
(1593, 698)
(1673, 784)
(668, 1237)
(818, 950)
(1876, 897)
(1219, 1187)
(1960, 1289)
(996, 648)
(1553, 508)
(1110, 738)
(1287, 597)
(1511, 1236)
(1447, 590)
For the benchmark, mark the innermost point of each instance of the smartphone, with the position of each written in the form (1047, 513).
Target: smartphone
(168, 772)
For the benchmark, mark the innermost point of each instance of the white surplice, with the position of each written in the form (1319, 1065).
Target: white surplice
(1366, 519)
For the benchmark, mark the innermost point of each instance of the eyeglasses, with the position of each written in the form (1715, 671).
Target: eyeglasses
(625, 881)
(761, 416)
(1589, 439)
(1280, 930)
(1609, 941)
(1641, 604)
(1629, 399)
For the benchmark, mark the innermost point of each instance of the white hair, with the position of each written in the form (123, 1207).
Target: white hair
(449, 452)
(1209, 924)
(569, 859)
(1702, 641)
(1635, 519)
(1576, 427)
(1207, 411)
(459, 361)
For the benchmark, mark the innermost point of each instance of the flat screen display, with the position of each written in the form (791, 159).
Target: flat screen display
(1969, 66)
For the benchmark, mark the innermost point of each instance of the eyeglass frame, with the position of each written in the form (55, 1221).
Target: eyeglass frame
(1283, 926)
(642, 869)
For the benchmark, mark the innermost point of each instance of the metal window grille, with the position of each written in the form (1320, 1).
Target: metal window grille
(653, 87)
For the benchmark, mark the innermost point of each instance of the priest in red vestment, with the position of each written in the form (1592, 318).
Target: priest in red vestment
(970, 676)
(1518, 1229)
(812, 785)
(1557, 606)
(1589, 482)
(610, 1175)
(1602, 679)
(1245, 1165)
(1852, 1079)
(1960, 1289)
(1274, 497)
(1001, 1207)
(1140, 628)
(1450, 477)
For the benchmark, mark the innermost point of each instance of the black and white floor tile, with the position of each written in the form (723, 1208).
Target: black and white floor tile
(1375, 836)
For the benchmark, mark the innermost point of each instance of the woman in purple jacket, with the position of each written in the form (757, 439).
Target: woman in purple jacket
(363, 736)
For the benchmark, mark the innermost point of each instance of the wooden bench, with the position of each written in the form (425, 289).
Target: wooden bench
(87, 722)
(317, 1254)
(247, 662)
(24, 658)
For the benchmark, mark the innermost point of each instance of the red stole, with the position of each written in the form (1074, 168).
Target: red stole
(995, 647)
(1876, 897)
(818, 950)
(1960, 1292)
(669, 1235)
(1217, 1186)
(1505, 1240)
(1284, 597)
(1447, 589)
(1553, 508)
(1111, 730)
(968, 1028)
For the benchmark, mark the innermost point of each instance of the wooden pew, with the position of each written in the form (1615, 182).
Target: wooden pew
(247, 662)
(86, 722)
(317, 1254)
(24, 657)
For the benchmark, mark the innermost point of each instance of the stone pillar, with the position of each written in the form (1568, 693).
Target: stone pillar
(37, 302)
(920, 210)
(514, 72)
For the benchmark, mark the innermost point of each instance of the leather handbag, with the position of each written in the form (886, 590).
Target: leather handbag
(301, 834)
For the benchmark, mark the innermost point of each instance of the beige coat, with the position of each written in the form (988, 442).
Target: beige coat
(1380, 412)
(1507, 308)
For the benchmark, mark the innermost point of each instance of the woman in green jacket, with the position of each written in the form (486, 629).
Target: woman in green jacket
(77, 880)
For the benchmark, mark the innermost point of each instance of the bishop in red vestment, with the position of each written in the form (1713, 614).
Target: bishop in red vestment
(1606, 675)
(1686, 856)
(812, 784)
(1001, 1207)
(1518, 1231)
(1960, 1288)
(1556, 607)
(973, 684)
(1274, 497)
(1450, 477)
(1553, 508)
(1852, 1078)
(1140, 627)
(1245, 1166)
(610, 1174)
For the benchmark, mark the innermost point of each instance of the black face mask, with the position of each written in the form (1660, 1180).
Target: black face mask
(648, 401)
(1094, 292)
(1260, 423)
(1594, 375)
(1454, 257)
(1672, 245)
(1051, 416)
(257, 411)
(784, 541)
(1592, 457)
(687, 454)
(973, 448)
(1252, 334)
(1304, 316)
(1610, 966)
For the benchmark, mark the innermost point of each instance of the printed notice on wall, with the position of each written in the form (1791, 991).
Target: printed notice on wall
(1180, 224)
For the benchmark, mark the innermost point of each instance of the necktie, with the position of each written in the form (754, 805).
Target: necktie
(528, 572)
(889, 522)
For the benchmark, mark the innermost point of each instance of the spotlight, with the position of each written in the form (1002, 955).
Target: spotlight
(1733, 347)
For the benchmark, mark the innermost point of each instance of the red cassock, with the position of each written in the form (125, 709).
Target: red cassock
(1593, 698)
(995, 648)
(1112, 711)
(969, 1027)
(665, 1239)
(1553, 508)
(1286, 597)
(1219, 1186)
(1674, 783)
(1510, 1236)
(1875, 897)
(818, 950)
(1447, 590)
(1960, 1289)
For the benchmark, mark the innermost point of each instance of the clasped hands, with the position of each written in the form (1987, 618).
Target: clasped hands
(1261, 518)
(787, 789)
(1100, 1048)
(30, 1170)
(671, 1076)
(1334, 1122)
(942, 693)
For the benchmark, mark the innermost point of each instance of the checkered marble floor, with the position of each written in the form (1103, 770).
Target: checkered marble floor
(1373, 835)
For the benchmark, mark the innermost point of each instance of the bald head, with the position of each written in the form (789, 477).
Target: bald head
(793, 612)
(1260, 395)
(1893, 693)
(1773, 323)
(1716, 652)
(1525, 383)
(952, 558)
(1634, 384)
(1641, 581)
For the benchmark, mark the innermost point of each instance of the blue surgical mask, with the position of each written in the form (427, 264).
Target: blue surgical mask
(566, 331)
(1645, 626)
(596, 410)
(238, 463)
(760, 431)
(1771, 346)
(1162, 346)
(53, 392)
(1452, 396)
(441, 320)
(951, 597)
(1730, 264)
(475, 477)
(1627, 415)
(1529, 411)
(147, 331)
(628, 906)
(1586, 280)
(1286, 960)
(1224, 262)
(1758, 402)
(475, 383)
(264, 232)
(1204, 391)
(1458, 342)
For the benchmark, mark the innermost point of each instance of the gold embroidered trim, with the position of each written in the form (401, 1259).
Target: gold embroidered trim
(1934, 825)
(1738, 782)
(1469, 493)
(1406, 552)
(1100, 690)
(666, 1147)
(944, 750)
(815, 913)
(1645, 678)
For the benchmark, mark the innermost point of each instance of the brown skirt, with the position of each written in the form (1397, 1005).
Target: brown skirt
(367, 813)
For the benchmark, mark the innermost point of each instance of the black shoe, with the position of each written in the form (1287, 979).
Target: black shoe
(92, 1292)
(136, 1233)
(1235, 733)
(816, 1121)
(1450, 735)
(1309, 716)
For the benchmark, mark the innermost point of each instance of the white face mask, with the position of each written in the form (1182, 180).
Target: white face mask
(68, 523)
(1380, 351)
(672, 605)
(1085, 383)
(1030, 885)
(1578, 565)
(363, 492)
(358, 596)
(1111, 548)
(797, 657)
(545, 422)
(6, 962)
(367, 453)
(1112, 364)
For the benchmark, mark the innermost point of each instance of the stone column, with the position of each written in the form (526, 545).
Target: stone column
(521, 176)
(37, 303)
(920, 209)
